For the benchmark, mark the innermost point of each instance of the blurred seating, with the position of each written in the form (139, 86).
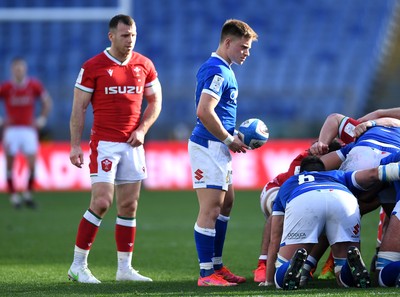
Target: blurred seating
(312, 58)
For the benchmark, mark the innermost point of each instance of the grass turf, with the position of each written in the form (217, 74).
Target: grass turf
(36, 249)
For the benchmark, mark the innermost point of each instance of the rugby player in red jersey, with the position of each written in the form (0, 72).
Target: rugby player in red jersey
(114, 82)
(21, 125)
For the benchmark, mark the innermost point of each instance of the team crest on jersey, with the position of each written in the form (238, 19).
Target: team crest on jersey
(137, 70)
(106, 165)
(110, 72)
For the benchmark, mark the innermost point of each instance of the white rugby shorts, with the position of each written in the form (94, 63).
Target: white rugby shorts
(332, 211)
(116, 162)
(22, 139)
(212, 166)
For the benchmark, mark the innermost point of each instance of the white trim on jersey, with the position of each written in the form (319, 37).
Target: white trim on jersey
(212, 94)
(153, 87)
(83, 88)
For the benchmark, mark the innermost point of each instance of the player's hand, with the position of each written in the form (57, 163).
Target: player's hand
(319, 148)
(237, 146)
(76, 156)
(361, 128)
(40, 122)
(137, 138)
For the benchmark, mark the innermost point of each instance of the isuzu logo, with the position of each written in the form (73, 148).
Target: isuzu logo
(123, 90)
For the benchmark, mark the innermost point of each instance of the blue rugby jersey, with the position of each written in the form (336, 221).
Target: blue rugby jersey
(314, 180)
(386, 139)
(216, 77)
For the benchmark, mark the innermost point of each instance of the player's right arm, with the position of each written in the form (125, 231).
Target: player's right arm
(76, 124)
(385, 121)
(327, 133)
(209, 118)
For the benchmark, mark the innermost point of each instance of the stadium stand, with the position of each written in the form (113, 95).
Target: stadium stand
(312, 58)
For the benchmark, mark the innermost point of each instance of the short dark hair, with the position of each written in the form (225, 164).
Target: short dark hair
(120, 18)
(334, 145)
(237, 28)
(18, 59)
(312, 163)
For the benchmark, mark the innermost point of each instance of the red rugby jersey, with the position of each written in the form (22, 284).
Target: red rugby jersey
(294, 168)
(20, 101)
(117, 93)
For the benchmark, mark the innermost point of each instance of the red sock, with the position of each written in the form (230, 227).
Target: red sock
(125, 238)
(86, 234)
(10, 185)
(31, 181)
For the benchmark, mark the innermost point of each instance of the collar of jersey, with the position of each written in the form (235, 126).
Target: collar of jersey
(215, 55)
(107, 53)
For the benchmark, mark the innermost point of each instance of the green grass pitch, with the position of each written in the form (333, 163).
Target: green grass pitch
(36, 248)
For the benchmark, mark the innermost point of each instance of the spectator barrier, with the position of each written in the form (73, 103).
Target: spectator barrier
(167, 165)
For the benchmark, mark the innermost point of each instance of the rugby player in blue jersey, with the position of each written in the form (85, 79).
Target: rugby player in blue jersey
(209, 149)
(376, 143)
(317, 201)
(388, 257)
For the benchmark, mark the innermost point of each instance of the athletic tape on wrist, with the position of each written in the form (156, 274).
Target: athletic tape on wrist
(228, 140)
(389, 172)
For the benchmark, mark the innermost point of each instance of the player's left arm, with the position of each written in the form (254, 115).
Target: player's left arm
(380, 113)
(153, 96)
(46, 106)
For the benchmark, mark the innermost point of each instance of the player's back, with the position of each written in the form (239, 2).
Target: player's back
(313, 180)
(381, 135)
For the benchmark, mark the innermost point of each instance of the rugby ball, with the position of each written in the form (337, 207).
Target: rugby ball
(254, 133)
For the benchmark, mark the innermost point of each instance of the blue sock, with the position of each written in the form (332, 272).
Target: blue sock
(205, 250)
(310, 263)
(346, 276)
(389, 274)
(280, 273)
(221, 226)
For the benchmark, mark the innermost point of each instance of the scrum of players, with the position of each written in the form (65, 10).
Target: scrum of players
(353, 158)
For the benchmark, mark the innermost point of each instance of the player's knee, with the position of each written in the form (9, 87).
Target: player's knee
(100, 205)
